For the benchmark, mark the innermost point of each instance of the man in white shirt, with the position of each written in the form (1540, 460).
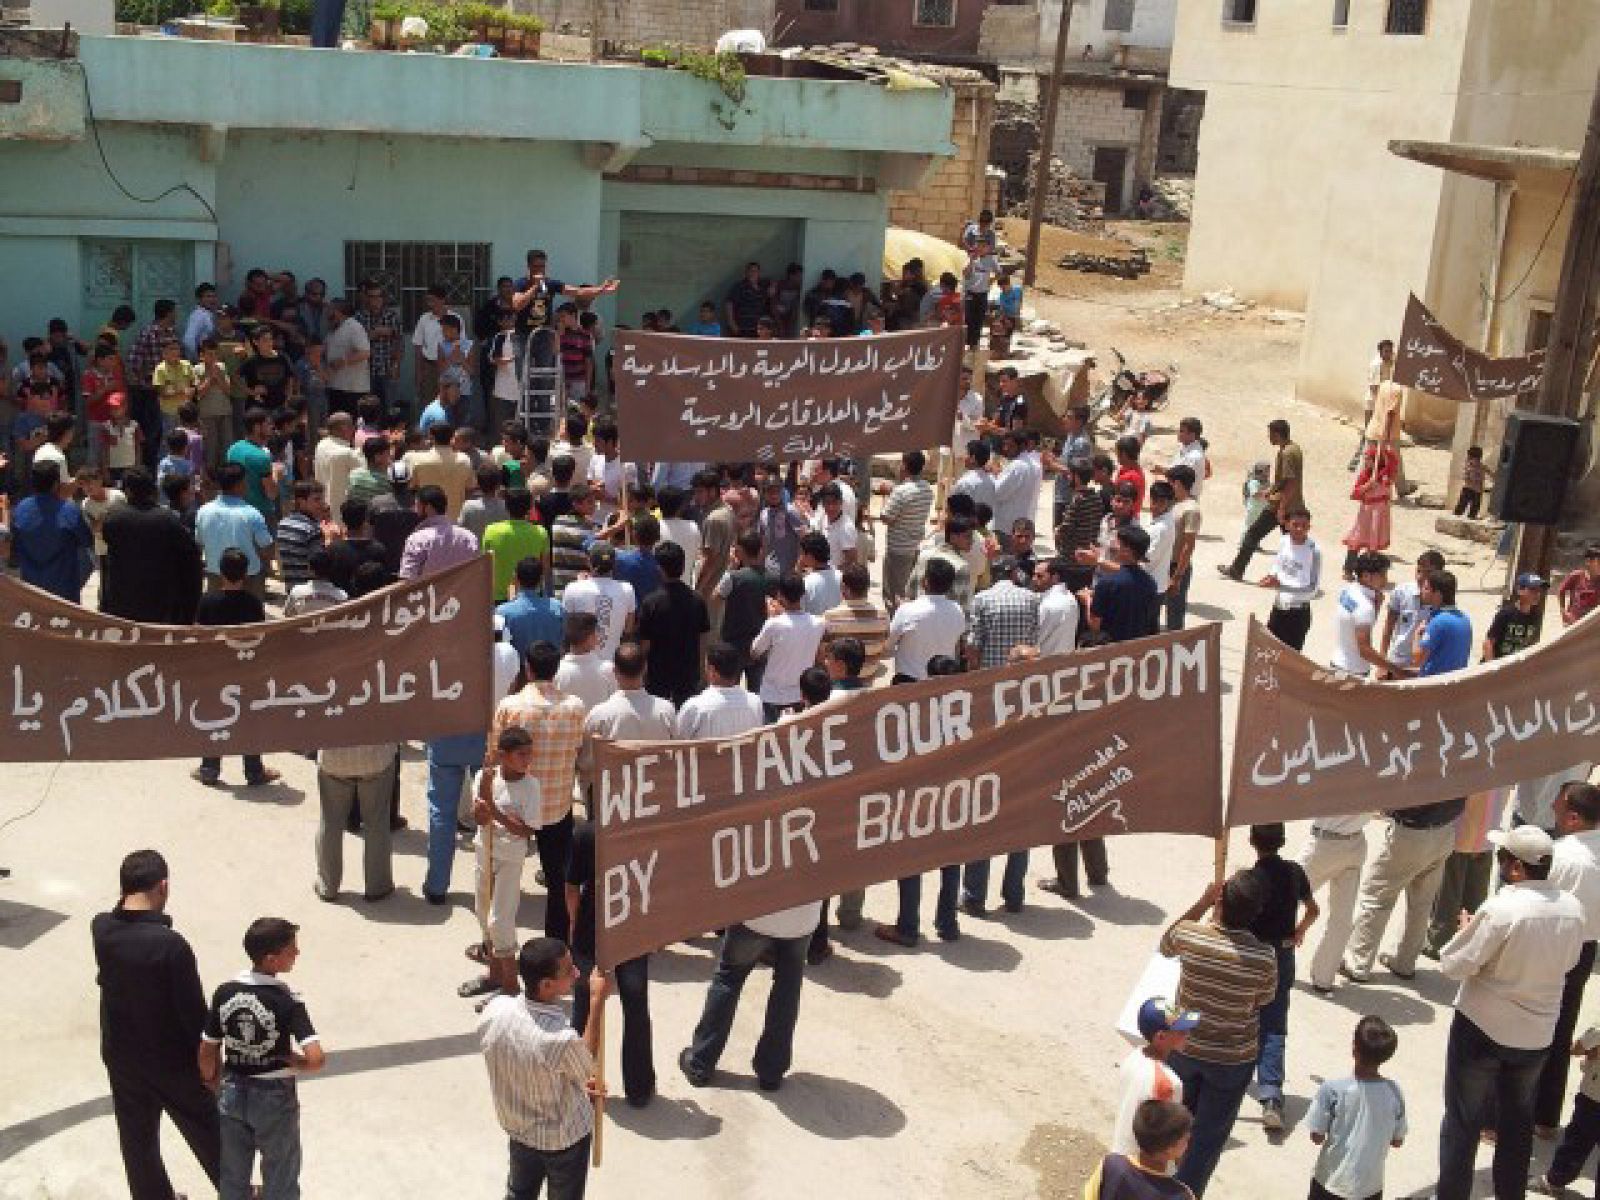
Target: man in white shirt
(677, 529)
(1016, 489)
(829, 472)
(1403, 614)
(629, 713)
(1574, 868)
(1356, 614)
(583, 672)
(1379, 372)
(1296, 574)
(975, 480)
(1058, 607)
(1162, 527)
(346, 358)
(426, 341)
(788, 642)
(608, 474)
(1512, 957)
(832, 522)
(336, 457)
(1191, 453)
(929, 626)
(786, 935)
(821, 577)
(724, 708)
(610, 600)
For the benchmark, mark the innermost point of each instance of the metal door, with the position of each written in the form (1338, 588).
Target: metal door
(136, 272)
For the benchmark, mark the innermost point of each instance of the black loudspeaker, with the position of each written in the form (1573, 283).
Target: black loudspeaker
(1535, 467)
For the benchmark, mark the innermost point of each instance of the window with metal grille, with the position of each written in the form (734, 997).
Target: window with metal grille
(822, 5)
(1341, 14)
(1407, 16)
(1119, 16)
(1239, 12)
(1134, 98)
(938, 13)
(408, 269)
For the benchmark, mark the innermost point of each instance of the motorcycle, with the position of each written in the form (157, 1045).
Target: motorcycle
(1119, 391)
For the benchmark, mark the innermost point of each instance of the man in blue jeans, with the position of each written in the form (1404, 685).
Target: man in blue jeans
(1228, 976)
(1512, 957)
(788, 935)
(449, 760)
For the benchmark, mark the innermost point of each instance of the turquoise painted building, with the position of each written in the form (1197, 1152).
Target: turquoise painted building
(148, 164)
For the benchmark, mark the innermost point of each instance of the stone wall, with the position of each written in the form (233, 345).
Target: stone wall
(1095, 116)
(956, 190)
(649, 22)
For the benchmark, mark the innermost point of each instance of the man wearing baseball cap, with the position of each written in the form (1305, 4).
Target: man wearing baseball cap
(1512, 957)
(1517, 625)
(1145, 1074)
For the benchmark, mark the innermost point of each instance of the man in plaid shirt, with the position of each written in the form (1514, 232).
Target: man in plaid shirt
(385, 337)
(1003, 617)
(556, 722)
(143, 359)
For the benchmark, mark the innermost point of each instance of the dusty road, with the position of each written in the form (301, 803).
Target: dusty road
(981, 1067)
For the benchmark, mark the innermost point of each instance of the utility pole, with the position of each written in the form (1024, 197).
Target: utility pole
(1047, 138)
(1572, 325)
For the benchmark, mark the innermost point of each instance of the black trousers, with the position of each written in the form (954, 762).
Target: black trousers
(1095, 864)
(1577, 1143)
(1552, 1092)
(975, 313)
(554, 843)
(138, 1099)
(1467, 503)
(1259, 528)
(1318, 1192)
(633, 989)
(1290, 625)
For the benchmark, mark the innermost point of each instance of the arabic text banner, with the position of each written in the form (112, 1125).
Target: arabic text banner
(891, 782)
(1311, 742)
(1432, 359)
(410, 661)
(694, 399)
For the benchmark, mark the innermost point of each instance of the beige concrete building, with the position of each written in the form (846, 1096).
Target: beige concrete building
(1299, 203)
(951, 195)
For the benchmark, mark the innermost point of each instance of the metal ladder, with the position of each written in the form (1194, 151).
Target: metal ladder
(542, 401)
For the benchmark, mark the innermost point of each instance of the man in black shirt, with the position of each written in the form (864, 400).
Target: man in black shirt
(153, 568)
(152, 1009)
(632, 977)
(671, 622)
(1280, 924)
(257, 1037)
(744, 601)
(356, 547)
(1517, 625)
(233, 604)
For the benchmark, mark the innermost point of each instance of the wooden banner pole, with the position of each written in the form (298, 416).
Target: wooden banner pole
(1219, 859)
(598, 1016)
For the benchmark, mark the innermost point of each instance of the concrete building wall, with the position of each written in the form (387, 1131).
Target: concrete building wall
(888, 25)
(1026, 33)
(649, 22)
(1297, 200)
(955, 191)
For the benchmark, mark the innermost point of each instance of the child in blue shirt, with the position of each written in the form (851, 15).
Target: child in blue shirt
(1357, 1119)
(707, 324)
(176, 461)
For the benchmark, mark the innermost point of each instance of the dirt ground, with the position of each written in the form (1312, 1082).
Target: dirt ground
(985, 1066)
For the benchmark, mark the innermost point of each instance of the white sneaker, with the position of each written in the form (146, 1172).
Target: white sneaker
(1272, 1116)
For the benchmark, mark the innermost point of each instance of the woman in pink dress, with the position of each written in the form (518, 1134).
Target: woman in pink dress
(1373, 490)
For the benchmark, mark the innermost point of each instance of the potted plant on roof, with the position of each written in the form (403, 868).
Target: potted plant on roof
(385, 29)
(260, 20)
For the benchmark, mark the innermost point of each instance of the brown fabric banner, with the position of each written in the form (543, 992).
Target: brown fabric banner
(697, 399)
(890, 782)
(1312, 742)
(410, 661)
(1432, 359)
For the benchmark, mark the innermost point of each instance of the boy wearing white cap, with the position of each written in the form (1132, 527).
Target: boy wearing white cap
(1145, 1074)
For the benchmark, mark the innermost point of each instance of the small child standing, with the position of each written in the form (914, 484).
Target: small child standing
(1473, 476)
(1373, 492)
(257, 1038)
(122, 440)
(1145, 1074)
(174, 381)
(503, 354)
(1357, 1119)
(507, 806)
(1286, 889)
(1161, 1130)
(1583, 1131)
(176, 460)
(194, 447)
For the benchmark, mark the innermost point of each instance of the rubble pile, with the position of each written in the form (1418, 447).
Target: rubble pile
(1174, 199)
(1070, 202)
